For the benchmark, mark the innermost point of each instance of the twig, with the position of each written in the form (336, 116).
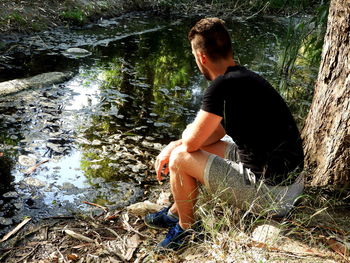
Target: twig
(31, 252)
(33, 168)
(112, 231)
(97, 205)
(59, 252)
(15, 230)
(78, 236)
(134, 230)
(5, 254)
(59, 217)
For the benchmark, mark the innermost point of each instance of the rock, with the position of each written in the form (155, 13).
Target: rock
(5, 221)
(162, 124)
(97, 180)
(44, 79)
(68, 186)
(164, 199)
(138, 167)
(266, 233)
(76, 53)
(10, 195)
(18, 205)
(96, 142)
(143, 208)
(27, 160)
(34, 182)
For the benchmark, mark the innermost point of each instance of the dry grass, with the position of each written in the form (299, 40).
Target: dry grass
(315, 232)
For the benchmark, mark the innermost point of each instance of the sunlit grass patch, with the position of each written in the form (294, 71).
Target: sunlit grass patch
(232, 235)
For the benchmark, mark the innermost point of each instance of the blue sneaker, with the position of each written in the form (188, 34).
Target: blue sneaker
(161, 219)
(176, 238)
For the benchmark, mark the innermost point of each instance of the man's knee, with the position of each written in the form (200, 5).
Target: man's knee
(177, 158)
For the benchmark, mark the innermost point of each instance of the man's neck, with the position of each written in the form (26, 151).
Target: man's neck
(220, 67)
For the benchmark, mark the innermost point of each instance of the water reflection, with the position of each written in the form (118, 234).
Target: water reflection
(102, 129)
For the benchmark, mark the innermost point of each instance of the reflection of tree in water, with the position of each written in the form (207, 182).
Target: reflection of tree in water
(147, 88)
(6, 180)
(145, 92)
(6, 164)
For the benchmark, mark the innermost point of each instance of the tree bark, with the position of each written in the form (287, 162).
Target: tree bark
(326, 133)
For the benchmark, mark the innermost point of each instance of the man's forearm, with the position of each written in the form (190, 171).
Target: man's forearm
(216, 136)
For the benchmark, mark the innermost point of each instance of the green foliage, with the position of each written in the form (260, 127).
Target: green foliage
(15, 19)
(314, 43)
(75, 16)
(301, 49)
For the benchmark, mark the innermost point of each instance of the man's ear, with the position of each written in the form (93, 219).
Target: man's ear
(202, 57)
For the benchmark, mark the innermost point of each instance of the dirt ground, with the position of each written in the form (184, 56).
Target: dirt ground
(121, 236)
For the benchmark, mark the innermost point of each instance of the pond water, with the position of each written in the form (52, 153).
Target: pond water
(96, 135)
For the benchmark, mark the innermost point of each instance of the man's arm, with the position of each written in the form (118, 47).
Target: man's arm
(205, 129)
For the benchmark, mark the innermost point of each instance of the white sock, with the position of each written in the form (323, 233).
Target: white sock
(172, 215)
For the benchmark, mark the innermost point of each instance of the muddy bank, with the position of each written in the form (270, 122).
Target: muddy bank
(39, 15)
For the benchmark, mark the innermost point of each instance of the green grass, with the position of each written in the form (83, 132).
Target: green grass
(75, 16)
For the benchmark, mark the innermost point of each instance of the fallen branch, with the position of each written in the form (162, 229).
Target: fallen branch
(15, 230)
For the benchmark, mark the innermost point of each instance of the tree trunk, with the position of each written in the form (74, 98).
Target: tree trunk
(326, 133)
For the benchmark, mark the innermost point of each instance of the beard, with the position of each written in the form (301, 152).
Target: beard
(205, 73)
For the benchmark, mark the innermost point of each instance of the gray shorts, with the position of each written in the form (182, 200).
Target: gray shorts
(230, 181)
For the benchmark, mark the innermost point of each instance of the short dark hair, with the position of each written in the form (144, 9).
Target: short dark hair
(211, 36)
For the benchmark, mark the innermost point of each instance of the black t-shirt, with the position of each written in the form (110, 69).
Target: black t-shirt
(258, 120)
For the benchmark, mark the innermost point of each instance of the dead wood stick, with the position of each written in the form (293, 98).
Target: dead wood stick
(33, 168)
(15, 230)
(97, 205)
(78, 236)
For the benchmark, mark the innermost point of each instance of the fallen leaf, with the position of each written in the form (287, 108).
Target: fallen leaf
(337, 247)
(73, 257)
(132, 243)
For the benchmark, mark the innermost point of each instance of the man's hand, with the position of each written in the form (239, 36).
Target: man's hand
(162, 160)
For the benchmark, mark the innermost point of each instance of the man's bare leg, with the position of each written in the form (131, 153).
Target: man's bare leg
(186, 171)
(219, 149)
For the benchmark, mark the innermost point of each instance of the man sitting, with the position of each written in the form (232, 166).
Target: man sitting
(249, 173)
